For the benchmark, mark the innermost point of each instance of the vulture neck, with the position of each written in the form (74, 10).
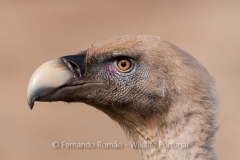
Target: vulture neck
(179, 134)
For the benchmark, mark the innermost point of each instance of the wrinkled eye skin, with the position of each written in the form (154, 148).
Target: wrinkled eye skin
(112, 71)
(120, 87)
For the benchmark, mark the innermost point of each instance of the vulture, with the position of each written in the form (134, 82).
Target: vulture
(158, 93)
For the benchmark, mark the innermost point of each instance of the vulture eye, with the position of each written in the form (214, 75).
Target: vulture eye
(124, 64)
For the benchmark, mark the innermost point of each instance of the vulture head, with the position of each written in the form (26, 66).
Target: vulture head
(157, 92)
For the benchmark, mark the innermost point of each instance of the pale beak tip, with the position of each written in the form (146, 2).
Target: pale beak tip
(46, 78)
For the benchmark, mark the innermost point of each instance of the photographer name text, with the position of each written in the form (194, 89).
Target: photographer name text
(117, 145)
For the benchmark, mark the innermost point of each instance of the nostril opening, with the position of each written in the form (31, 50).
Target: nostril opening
(75, 68)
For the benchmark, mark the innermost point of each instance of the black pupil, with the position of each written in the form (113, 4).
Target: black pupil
(123, 64)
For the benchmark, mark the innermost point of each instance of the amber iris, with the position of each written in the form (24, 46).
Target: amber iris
(124, 64)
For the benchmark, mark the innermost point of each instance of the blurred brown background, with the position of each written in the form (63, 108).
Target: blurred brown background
(32, 32)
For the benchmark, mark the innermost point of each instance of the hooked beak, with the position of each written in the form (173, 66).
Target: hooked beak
(60, 80)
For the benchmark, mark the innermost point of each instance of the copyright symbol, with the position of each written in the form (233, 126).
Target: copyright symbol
(55, 144)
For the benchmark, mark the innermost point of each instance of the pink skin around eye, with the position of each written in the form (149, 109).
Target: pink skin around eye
(110, 69)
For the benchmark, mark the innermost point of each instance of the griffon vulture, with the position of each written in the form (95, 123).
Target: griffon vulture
(157, 92)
